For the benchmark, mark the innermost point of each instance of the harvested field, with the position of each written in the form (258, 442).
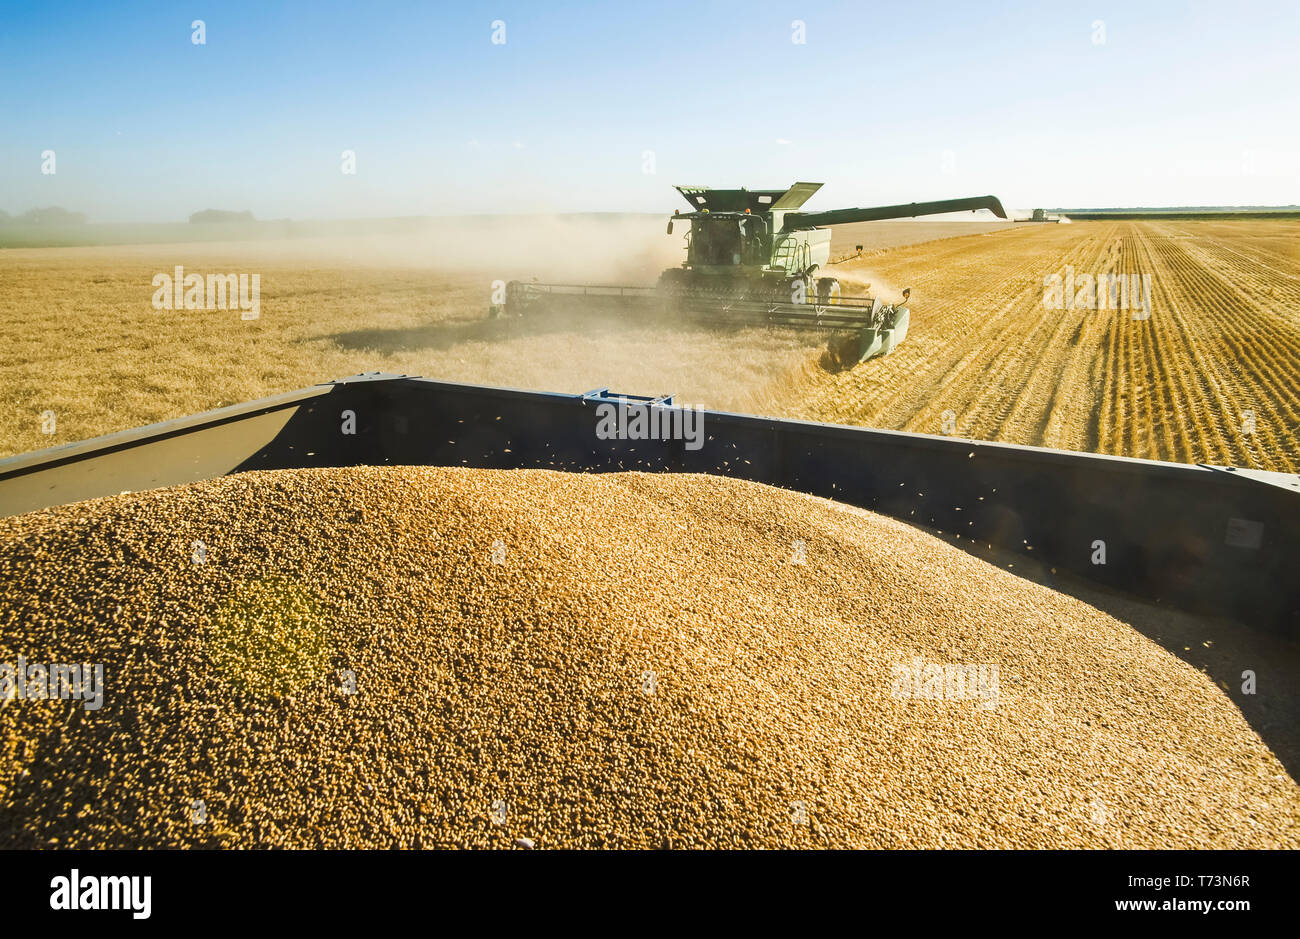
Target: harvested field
(84, 342)
(1210, 377)
(618, 660)
(881, 236)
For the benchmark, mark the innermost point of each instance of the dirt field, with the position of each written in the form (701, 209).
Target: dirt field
(984, 352)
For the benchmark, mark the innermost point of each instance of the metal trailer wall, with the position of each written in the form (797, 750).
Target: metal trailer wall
(1215, 540)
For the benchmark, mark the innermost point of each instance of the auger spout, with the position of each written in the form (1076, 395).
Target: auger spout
(802, 221)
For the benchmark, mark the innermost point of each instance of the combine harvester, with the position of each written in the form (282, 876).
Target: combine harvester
(1217, 540)
(1040, 215)
(753, 259)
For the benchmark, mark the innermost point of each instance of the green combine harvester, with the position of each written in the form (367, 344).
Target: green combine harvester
(753, 259)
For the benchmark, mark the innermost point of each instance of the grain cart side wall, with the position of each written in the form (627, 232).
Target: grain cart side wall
(170, 453)
(1213, 540)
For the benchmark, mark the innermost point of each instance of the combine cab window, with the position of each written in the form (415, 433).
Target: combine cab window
(715, 241)
(722, 241)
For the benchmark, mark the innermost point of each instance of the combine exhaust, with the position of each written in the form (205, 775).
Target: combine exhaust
(753, 260)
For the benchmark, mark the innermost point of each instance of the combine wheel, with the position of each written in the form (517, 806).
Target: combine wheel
(828, 290)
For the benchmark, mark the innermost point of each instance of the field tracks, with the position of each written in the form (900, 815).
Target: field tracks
(1212, 375)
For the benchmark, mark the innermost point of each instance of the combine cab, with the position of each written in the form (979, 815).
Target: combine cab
(753, 259)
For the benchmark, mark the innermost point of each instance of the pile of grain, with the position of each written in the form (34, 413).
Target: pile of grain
(559, 660)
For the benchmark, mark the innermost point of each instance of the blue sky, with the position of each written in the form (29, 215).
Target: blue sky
(1183, 103)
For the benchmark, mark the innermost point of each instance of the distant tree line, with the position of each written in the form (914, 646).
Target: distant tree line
(51, 215)
(58, 216)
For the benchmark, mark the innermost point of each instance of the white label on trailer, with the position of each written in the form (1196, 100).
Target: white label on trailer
(1243, 533)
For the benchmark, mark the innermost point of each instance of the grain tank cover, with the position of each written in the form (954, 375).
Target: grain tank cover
(797, 195)
(758, 201)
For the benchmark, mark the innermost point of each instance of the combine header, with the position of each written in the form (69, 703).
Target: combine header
(753, 259)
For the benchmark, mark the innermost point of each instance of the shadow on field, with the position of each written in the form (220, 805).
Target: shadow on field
(1219, 648)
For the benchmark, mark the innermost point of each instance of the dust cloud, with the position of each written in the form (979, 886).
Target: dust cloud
(598, 248)
(855, 281)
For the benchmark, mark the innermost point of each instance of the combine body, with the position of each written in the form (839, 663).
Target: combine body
(752, 258)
